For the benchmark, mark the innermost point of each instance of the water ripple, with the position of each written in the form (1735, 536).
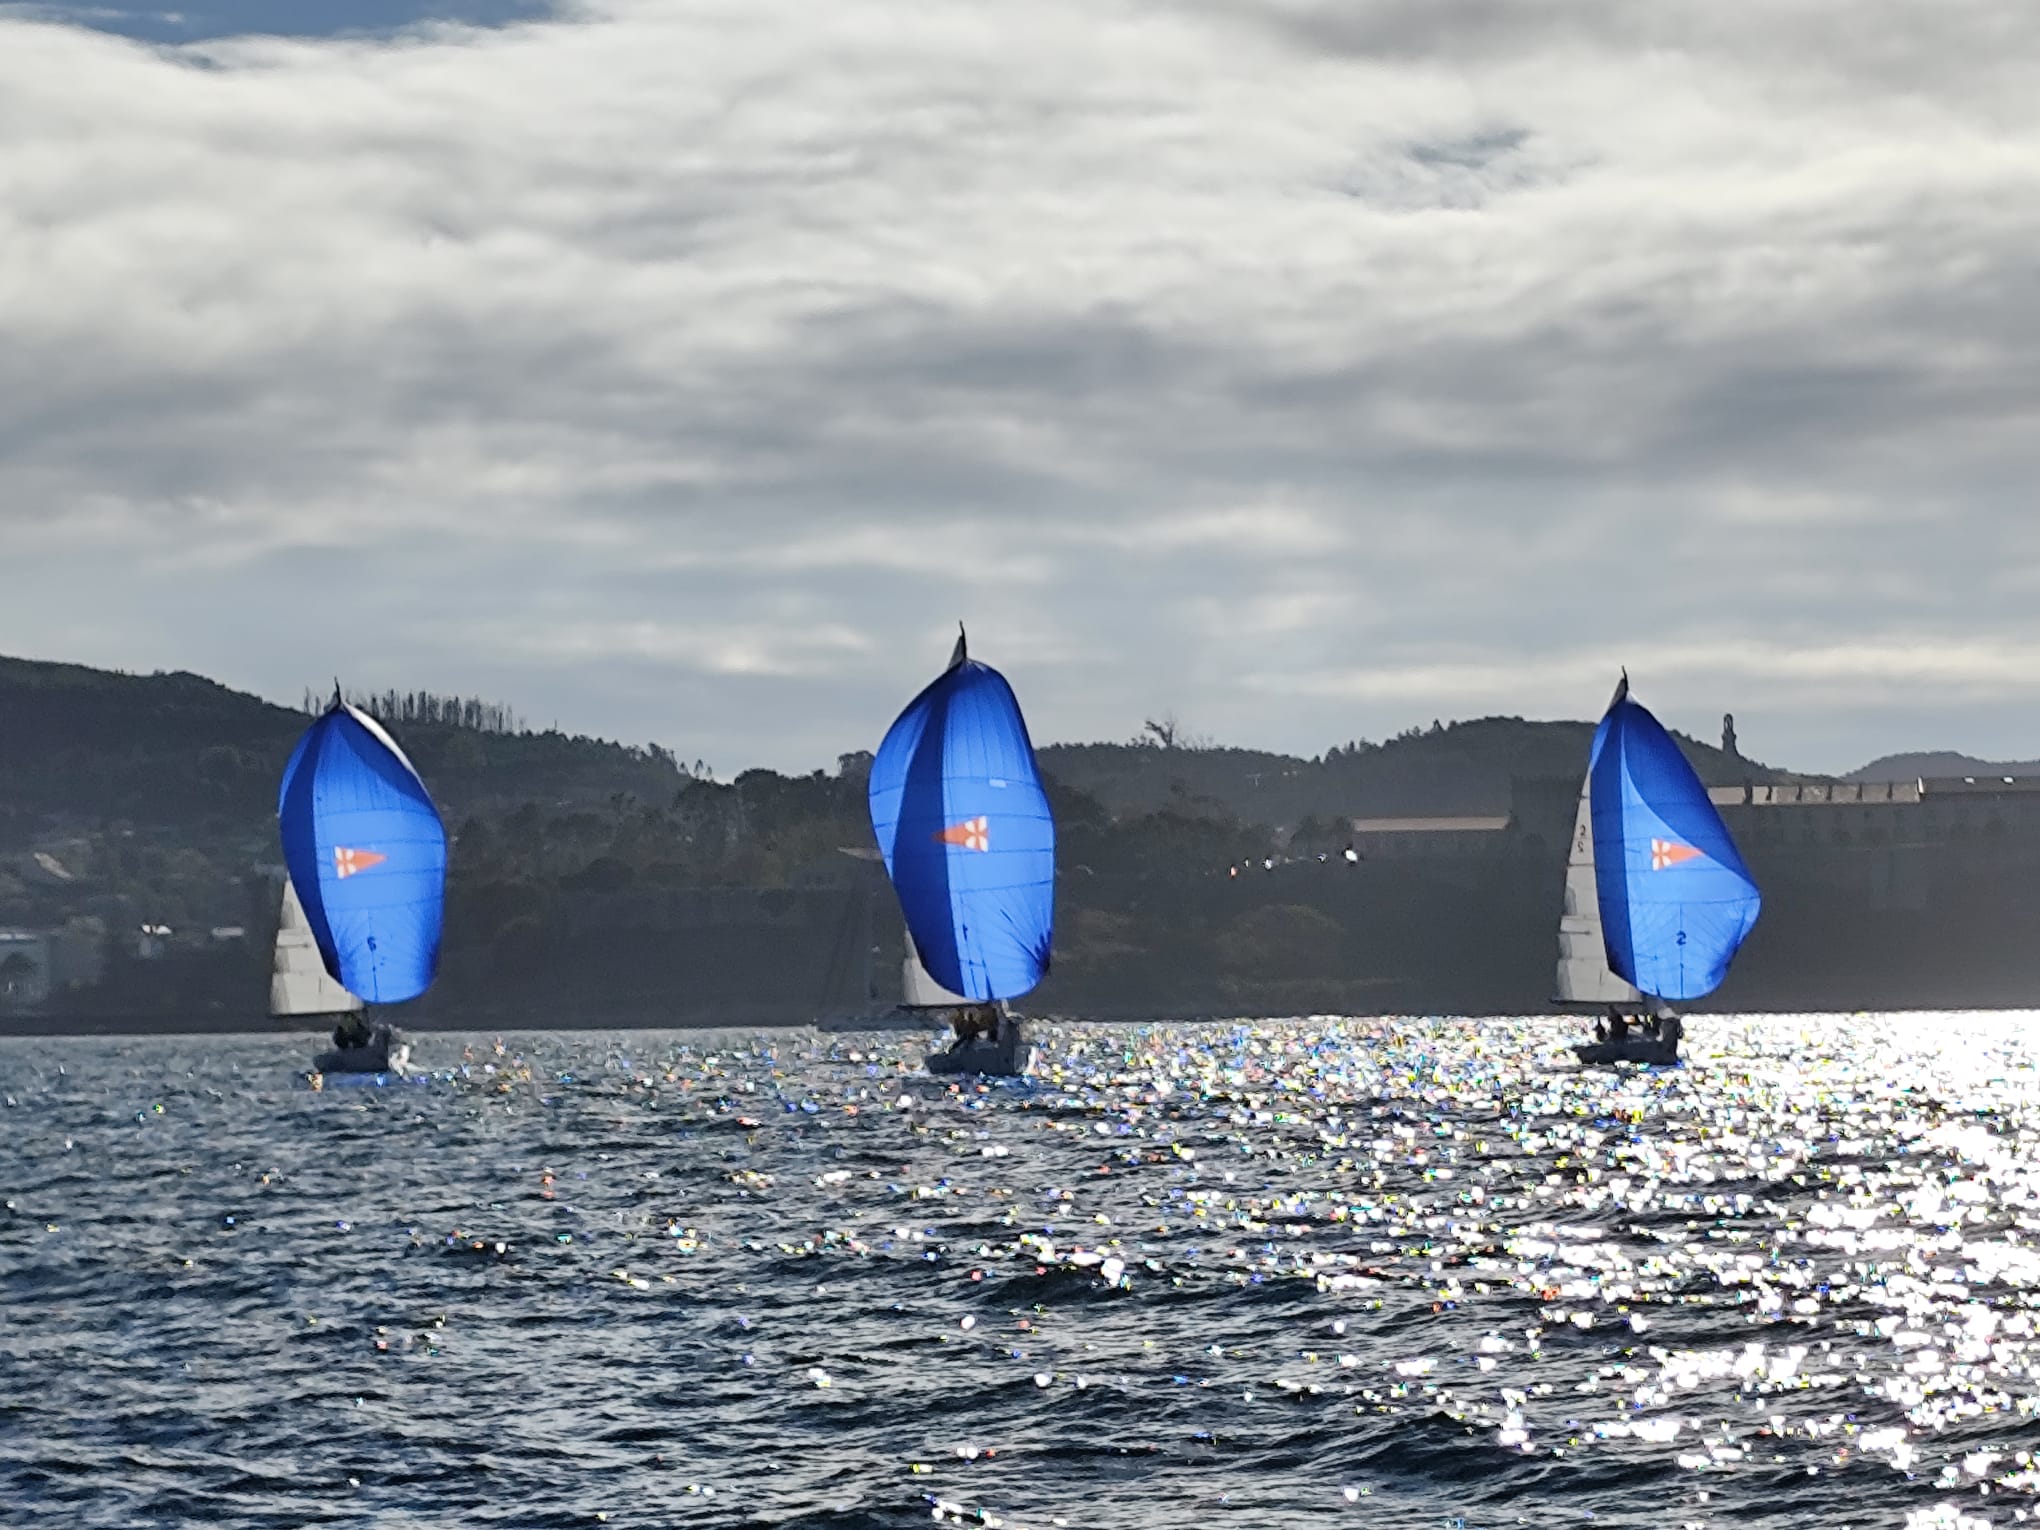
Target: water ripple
(1385, 1273)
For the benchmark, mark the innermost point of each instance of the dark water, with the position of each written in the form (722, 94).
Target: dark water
(1360, 1273)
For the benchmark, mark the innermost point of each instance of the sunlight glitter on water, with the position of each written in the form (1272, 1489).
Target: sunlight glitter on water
(1396, 1272)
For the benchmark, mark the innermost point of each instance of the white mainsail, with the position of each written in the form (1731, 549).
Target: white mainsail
(918, 988)
(1583, 975)
(299, 983)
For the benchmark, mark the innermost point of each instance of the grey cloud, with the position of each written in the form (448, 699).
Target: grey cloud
(1472, 152)
(1796, 44)
(683, 371)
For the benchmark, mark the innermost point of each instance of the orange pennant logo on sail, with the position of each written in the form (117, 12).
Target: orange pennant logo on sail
(346, 862)
(971, 834)
(1666, 853)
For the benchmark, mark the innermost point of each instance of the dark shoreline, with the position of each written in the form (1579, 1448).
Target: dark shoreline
(23, 1027)
(53, 1026)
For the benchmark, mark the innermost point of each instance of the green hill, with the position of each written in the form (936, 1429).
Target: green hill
(178, 750)
(1449, 769)
(1911, 767)
(181, 751)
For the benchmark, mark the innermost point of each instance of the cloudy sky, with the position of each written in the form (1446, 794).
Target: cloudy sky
(684, 369)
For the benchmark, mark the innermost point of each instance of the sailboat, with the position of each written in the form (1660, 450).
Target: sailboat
(1657, 898)
(366, 856)
(964, 826)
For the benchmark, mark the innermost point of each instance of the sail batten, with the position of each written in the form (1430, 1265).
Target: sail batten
(1674, 898)
(964, 826)
(366, 853)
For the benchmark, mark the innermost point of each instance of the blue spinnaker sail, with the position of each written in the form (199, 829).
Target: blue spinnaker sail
(367, 854)
(966, 832)
(1676, 900)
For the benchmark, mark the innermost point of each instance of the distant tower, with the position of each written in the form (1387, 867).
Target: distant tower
(1728, 736)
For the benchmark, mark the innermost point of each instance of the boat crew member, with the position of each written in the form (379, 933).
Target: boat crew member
(976, 1020)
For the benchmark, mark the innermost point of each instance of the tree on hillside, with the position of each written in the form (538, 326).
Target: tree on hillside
(1165, 732)
(1162, 730)
(407, 707)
